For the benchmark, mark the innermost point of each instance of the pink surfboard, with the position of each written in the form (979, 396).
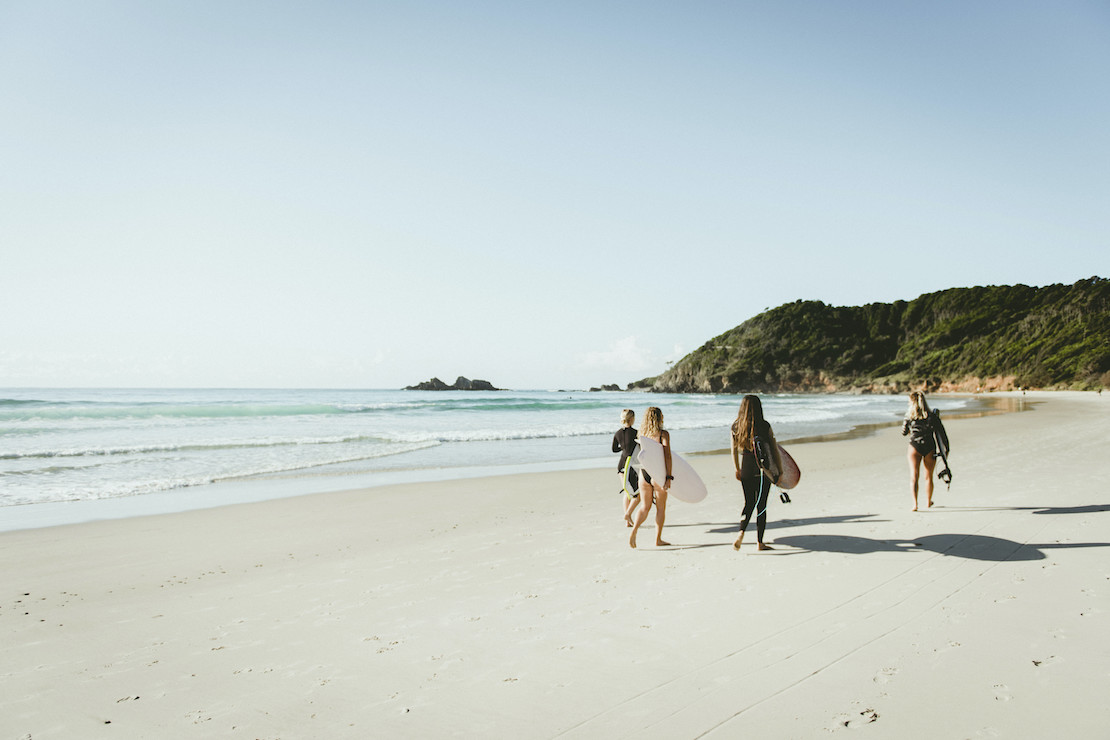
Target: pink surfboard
(791, 473)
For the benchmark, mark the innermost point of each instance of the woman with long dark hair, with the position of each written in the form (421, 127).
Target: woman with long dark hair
(756, 483)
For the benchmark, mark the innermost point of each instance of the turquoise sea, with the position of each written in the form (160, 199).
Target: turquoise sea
(199, 447)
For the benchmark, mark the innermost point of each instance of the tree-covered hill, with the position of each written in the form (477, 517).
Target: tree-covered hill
(996, 337)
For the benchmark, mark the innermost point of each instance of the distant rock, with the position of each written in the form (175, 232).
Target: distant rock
(465, 384)
(435, 384)
(612, 387)
(461, 384)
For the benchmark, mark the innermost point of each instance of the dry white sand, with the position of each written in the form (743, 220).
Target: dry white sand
(513, 607)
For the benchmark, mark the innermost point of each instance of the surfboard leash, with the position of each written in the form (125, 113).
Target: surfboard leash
(757, 498)
(783, 495)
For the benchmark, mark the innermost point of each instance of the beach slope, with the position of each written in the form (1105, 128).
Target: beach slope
(513, 607)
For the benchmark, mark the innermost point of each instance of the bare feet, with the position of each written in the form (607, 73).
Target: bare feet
(765, 547)
(632, 534)
(736, 545)
(628, 521)
(930, 504)
(661, 543)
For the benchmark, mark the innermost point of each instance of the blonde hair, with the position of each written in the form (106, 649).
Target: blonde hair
(653, 423)
(919, 408)
(743, 429)
(627, 417)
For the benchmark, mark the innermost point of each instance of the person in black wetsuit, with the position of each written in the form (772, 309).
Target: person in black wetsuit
(756, 483)
(923, 445)
(624, 442)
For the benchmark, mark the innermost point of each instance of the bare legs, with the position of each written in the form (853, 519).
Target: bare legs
(630, 504)
(915, 459)
(648, 492)
(660, 516)
(930, 465)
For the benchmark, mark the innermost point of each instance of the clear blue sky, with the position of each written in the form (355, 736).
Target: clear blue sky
(543, 195)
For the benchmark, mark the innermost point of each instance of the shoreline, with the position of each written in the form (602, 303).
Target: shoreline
(234, 491)
(513, 606)
(1003, 405)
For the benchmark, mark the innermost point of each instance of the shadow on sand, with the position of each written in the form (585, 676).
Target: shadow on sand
(734, 527)
(968, 546)
(1052, 510)
(719, 528)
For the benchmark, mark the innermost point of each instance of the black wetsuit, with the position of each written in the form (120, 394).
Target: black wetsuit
(757, 488)
(624, 442)
(921, 435)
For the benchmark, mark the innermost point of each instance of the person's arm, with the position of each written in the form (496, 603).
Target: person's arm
(665, 440)
(617, 442)
(735, 456)
(775, 452)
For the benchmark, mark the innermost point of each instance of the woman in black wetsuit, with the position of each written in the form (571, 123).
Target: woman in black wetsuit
(757, 484)
(624, 442)
(923, 445)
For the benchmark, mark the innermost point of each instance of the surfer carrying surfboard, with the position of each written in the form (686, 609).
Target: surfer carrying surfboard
(654, 491)
(756, 481)
(923, 444)
(624, 442)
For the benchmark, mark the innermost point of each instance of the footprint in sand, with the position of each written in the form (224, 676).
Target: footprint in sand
(1002, 692)
(952, 645)
(885, 675)
(857, 720)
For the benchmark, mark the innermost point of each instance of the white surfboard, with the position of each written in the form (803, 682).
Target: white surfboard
(687, 484)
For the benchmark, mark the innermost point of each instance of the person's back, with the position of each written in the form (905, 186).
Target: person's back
(920, 431)
(923, 446)
(749, 427)
(749, 463)
(624, 442)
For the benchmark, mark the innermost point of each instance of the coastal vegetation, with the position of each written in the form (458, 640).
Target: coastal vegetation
(967, 339)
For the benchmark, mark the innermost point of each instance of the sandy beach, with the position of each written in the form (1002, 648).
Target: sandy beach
(513, 607)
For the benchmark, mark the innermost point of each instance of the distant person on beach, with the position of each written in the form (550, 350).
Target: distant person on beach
(923, 445)
(756, 483)
(654, 491)
(624, 442)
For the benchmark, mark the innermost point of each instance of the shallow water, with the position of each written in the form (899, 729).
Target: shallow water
(66, 445)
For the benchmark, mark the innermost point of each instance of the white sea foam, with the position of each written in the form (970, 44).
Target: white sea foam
(61, 445)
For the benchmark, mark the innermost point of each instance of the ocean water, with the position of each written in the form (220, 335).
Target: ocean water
(59, 445)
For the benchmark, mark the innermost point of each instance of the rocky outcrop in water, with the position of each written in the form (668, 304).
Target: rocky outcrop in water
(461, 384)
